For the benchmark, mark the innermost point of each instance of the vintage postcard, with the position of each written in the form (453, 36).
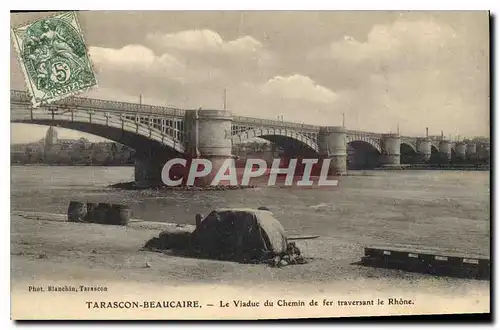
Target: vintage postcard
(53, 57)
(249, 165)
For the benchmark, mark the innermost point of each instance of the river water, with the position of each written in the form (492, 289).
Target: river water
(449, 209)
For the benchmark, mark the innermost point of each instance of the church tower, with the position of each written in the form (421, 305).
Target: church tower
(50, 137)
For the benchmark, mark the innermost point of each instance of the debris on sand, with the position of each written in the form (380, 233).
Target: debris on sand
(242, 235)
(292, 256)
(318, 206)
(133, 186)
(168, 240)
(101, 213)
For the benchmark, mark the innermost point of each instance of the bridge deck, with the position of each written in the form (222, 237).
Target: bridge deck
(22, 99)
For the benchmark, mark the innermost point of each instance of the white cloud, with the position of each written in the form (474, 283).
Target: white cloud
(134, 57)
(298, 87)
(243, 58)
(189, 40)
(244, 44)
(131, 55)
(387, 42)
(413, 73)
(204, 41)
(142, 61)
(414, 100)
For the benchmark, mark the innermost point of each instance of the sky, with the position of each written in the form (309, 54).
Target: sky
(381, 69)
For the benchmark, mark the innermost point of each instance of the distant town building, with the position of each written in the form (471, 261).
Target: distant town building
(51, 137)
(53, 150)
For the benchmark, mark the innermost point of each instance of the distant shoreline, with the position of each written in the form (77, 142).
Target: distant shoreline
(131, 185)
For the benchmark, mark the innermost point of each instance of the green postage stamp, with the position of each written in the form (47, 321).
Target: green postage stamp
(54, 58)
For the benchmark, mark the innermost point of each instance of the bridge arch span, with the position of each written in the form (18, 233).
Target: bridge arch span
(375, 143)
(362, 155)
(112, 126)
(409, 144)
(408, 152)
(275, 135)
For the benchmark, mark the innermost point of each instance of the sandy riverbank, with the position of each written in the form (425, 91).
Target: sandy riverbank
(51, 250)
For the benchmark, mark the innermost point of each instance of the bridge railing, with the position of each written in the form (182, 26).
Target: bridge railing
(107, 118)
(98, 104)
(354, 132)
(374, 134)
(115, 106)
(272, 123)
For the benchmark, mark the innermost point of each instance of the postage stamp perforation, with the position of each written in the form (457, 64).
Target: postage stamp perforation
(54, 58)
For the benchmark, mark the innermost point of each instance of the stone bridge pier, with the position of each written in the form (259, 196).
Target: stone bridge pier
(332, 144)
(208, 136)
(212, 134)
(390, 145)
(483, 152)
(424, 149)
(471, 151)
(461, 151)
(149, 160)
(147, 170)
(445, 150)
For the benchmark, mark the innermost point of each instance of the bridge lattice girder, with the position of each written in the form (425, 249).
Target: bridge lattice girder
(245, 133)
(410, 142)
(165, 125)
(82, 119)
(367, 138)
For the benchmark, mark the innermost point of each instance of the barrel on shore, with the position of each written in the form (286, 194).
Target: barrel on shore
(118, 215)
(101, 214)
(198, 219)
(91, 214)
(77, 211)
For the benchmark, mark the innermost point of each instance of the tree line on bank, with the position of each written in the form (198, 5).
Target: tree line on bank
(103, 154)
